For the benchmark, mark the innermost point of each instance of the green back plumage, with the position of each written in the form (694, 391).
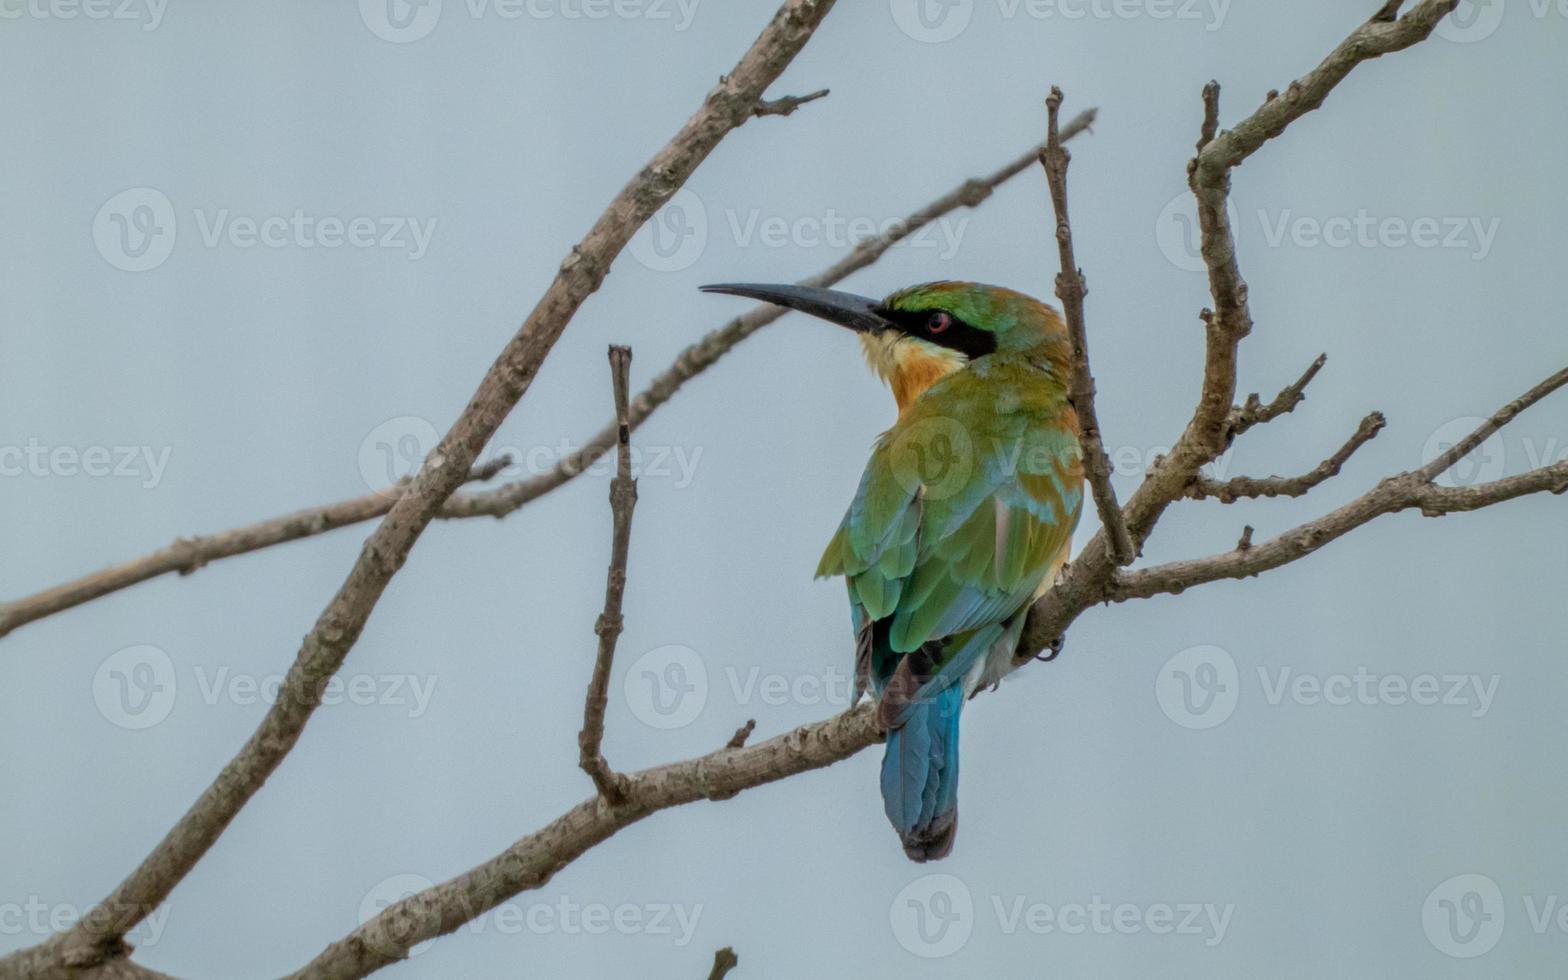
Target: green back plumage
(965, 504)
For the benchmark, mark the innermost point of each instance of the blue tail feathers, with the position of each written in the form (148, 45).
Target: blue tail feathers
(920, 774)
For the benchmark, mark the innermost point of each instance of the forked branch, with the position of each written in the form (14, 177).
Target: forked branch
(1070, 289)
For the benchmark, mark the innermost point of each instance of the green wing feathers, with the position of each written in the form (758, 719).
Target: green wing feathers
(963, 507)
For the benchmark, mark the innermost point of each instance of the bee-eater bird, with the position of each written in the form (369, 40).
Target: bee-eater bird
(964, 515)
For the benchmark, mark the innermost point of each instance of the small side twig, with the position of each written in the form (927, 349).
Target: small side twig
(623, 499)
(738, 740)
(1229, 491)
(1070, 289)
(1255, 412)
(724, 961)
(786, 105)
(1211, 115)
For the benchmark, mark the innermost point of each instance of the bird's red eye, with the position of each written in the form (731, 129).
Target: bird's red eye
(939, 321)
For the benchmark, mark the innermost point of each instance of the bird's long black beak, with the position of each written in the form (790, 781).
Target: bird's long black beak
(858, 313)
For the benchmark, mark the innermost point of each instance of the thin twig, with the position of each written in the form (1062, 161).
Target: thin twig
(1255, 412)
(786, 105)
(1070, 289)
(1237, 488)
(192, 553)
(623, 500)
(329, 641)
(741, 734)
(724, 961)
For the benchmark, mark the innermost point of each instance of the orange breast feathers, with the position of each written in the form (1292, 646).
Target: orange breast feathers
(908, 366)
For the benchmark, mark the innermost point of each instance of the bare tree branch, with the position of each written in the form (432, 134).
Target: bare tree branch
(1403, 492)
(623, 500)
(327, 644)
(1500, 418)
(1229, 491)
(531, 861)
(788, 104)
(1070, 289)
(187, 555)
(1207, 434)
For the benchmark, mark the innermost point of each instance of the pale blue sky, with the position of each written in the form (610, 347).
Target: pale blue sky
(336, 226)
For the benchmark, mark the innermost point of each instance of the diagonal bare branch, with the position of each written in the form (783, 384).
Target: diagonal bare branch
(1484, 431)
(533, 860)
(1070, 289)
(189, 554)
(1229, 491)
(327, 644)
(623, 500)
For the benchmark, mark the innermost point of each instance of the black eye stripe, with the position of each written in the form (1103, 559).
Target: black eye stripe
(970, 341)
